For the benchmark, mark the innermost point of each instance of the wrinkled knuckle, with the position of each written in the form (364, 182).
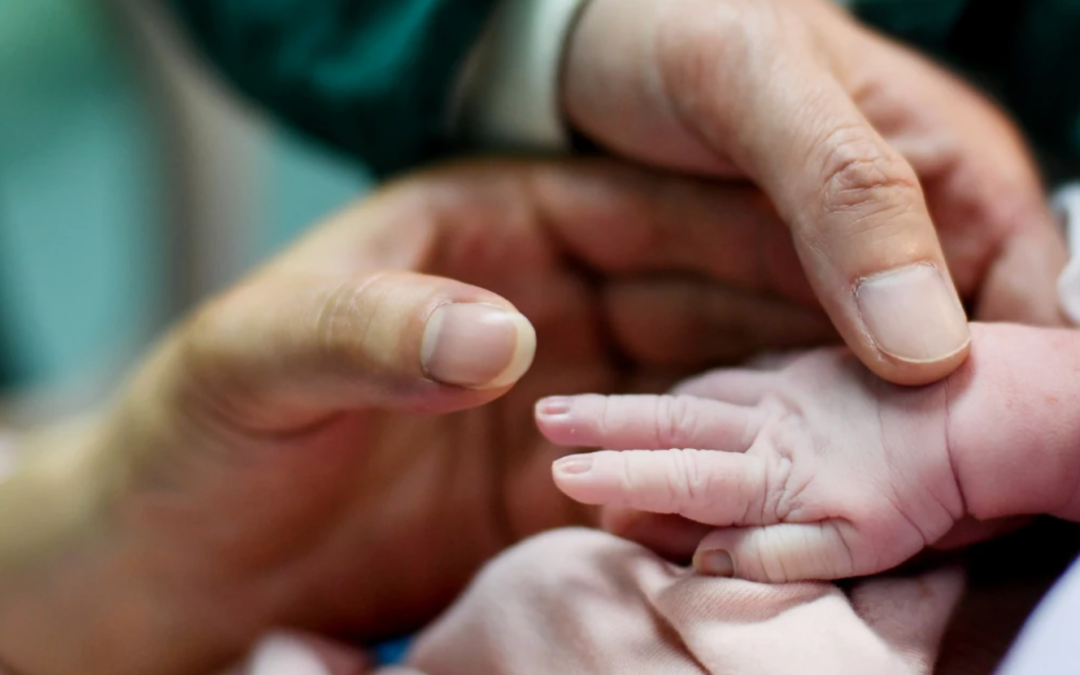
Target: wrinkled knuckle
(864, 178)
(628, 481)
(772, 568)
(676, 481)
(846, 564)
(342, 320)
(696, 485)
(676, 420)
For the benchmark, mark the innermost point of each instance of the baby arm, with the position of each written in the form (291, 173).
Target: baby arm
(816, 469)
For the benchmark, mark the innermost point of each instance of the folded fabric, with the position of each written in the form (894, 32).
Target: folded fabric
(584, 602)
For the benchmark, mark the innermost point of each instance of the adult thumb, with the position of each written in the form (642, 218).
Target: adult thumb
(855, 206)
(860, 223)
(284, 351)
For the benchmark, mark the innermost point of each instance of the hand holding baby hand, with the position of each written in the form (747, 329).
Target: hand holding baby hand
(815, 470)
(854, 139)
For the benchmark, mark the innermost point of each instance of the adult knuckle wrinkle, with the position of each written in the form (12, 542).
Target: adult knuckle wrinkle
(341, 322)
(861, 175)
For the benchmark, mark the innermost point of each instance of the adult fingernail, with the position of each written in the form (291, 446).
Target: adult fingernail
(477, 346)
(573, 466)
(714, 563)
(913, 314)
(554, 406)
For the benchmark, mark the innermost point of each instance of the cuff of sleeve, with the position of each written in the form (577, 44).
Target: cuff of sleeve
(1067, 203)
(507, 96)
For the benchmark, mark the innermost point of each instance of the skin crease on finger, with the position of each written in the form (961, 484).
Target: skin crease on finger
(794, 498)
(499, 199)
(1004, 246)
(332, 473)
(979, 181)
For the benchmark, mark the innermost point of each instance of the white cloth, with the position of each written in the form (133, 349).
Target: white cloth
(1067, 203)
(508, 93)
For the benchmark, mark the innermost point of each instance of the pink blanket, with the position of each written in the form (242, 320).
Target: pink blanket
(579, 601)
(582, 602)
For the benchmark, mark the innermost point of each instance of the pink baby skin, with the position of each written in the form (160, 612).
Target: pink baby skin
(813, 468)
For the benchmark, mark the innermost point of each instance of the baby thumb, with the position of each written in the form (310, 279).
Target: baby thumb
(777, 553)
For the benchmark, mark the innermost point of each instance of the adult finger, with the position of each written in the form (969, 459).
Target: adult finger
(513, 216)
(681, 321)
(625, 220)
(282, 351)
(854, 205)
(856, 213)
(1000, 236)
(1021, 285)
(731, 281)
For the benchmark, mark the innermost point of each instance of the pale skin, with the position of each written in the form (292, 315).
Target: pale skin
(881, 165)
(813, 468)
(278, 414)
(302, 435)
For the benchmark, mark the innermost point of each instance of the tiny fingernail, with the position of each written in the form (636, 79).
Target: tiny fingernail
(714, 563)
(913, 314)
(573, 466)
(554, 405)
(477, 346)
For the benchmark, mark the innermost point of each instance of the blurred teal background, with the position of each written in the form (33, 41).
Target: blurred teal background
(129, 190)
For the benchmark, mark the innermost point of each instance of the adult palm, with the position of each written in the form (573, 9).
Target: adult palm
(288, 456)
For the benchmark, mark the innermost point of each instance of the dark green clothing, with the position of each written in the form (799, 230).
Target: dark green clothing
(373, 77)
(1024, 52)
(370, 77)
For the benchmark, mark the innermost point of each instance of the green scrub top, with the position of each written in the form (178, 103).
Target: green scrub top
(373, 77)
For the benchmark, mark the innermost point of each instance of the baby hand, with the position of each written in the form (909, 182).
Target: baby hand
(820, 470)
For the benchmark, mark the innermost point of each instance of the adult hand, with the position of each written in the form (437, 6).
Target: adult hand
(332, 445)
(862, 146)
